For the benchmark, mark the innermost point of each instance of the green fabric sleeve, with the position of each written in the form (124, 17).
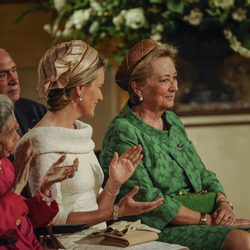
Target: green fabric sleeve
(119, 138)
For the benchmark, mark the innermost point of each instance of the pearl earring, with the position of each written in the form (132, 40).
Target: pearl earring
(140, 98)
(80, 99)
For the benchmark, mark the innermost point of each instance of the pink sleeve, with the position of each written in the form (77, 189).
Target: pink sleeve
(12, 210)
(39, 212)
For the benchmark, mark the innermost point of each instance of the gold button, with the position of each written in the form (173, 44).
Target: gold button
(18, 222)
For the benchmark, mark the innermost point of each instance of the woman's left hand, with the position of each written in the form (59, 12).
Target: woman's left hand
(224, 215)
(128, 206)
(58, 173)
(121, 168)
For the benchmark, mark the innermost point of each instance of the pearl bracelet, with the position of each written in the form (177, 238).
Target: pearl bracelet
(220, 197)
(115, 212)
(223, 199)
(229, 203)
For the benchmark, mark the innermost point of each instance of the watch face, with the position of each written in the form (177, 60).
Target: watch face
(203, 219)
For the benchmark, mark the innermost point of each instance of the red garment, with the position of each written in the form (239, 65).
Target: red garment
(18, 215)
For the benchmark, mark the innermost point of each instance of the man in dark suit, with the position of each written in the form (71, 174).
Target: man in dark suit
(28, 113)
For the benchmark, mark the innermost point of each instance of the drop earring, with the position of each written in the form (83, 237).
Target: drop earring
(80, 99)
(140, 98)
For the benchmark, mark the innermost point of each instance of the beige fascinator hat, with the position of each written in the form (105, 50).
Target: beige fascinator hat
(66, 65)
(139, 51)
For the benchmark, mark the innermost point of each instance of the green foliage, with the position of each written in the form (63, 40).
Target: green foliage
(129, 21)
(176, 6)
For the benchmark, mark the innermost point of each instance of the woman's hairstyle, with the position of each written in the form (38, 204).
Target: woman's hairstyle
(136, 65)
(6, 109)
(63, 67)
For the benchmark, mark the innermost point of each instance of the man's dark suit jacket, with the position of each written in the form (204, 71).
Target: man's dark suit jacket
(28, 113)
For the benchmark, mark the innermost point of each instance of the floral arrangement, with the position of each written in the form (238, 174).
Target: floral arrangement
(129, 21)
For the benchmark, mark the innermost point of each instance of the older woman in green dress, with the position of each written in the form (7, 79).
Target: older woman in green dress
(170, 165)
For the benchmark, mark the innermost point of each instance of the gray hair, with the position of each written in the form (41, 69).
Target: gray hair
(6, 109)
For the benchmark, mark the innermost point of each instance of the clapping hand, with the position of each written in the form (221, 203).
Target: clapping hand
(128, 206)
(22, 166)
(58, 173)
(121, 168)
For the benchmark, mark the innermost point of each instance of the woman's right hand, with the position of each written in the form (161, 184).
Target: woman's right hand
(22, 166)
(241, 222)
(128, 206)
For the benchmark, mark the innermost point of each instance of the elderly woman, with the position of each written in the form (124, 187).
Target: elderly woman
(71, 76)
(170, 162)
(17, 214)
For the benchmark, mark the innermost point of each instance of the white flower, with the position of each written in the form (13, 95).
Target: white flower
(67, 32)
(120, 19)
(235, 44)
(157, 28)
(68, 28)
(134, 18)
(95, 5)
(156, 37)
(69, 24)
(94, 27)
(123, 12)
(156, 32)
(55, 27)
(47, 28)
(195, 17)
(192, 1)
(224, 4)
(58, 33)
(239, 15)
(59, 4)
(80, 17)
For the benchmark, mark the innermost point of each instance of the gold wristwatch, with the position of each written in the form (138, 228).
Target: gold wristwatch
(203, 219)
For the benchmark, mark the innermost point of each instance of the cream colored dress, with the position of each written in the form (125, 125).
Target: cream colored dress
(80, 192)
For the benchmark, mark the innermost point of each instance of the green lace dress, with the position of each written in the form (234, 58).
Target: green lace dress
(170, 164)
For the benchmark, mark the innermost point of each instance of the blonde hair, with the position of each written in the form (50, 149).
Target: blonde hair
(63, 67)
(142, 69)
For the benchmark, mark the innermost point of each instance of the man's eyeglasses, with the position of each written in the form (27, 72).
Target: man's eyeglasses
(5, 73)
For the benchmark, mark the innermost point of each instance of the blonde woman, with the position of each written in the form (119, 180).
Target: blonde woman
(71, 76)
